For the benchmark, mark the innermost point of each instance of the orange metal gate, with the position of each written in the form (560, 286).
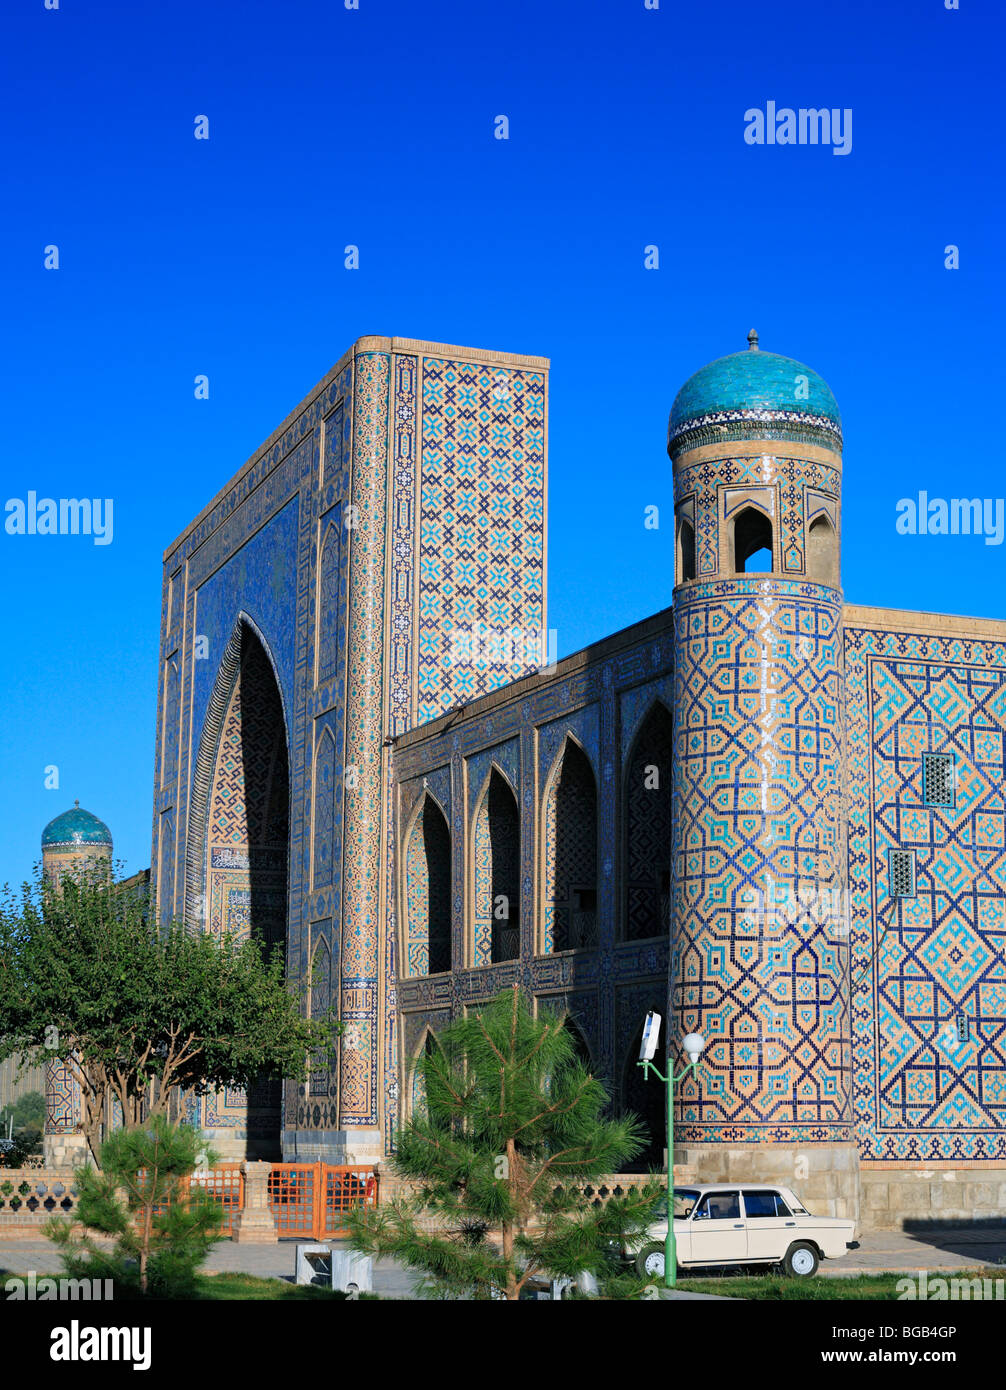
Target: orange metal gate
(226, 1185)
(310, 1200)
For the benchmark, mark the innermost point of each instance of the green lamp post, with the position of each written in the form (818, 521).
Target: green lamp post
(692, 1045)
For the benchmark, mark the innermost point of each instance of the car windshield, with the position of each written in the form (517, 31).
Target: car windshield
(684, 1201)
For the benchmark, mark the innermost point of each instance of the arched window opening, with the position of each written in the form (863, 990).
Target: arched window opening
(571, 855)
(686, 552)
(647, 855)
(579, 1042)
(822, 552)
(646, 1098)
(497, 875)
(752, 542)
(428, 893)
(418, 1105)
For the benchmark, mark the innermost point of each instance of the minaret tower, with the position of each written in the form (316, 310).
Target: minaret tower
(760, 964)
(75, 841)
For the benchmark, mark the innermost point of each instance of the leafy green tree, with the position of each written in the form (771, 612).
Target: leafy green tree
(512, 1125)
(135, 1011)
(24, 1119)
(162, 1227)
(28, 1111)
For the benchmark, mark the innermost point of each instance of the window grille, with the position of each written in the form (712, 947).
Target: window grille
(902, 869)
(938, 779)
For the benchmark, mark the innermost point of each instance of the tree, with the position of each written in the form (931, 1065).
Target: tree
(162, 1227)
(136, 1012)
(25, 1118)
(28, 1111)
(512, 1126)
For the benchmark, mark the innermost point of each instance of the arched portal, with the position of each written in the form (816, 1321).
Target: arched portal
(247, 849)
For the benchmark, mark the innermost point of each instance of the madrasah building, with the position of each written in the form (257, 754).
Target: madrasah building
(771, 816)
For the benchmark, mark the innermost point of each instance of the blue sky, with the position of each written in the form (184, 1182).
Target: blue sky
(375, 127)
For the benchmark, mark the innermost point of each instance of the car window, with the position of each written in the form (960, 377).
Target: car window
(684, 1201)
(760, 1204)
(718, 1206)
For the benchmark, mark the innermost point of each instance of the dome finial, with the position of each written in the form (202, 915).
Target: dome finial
(76, 803)
(753, 340)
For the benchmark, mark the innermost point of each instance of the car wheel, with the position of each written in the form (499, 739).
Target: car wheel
(801, 1260)
(650, 1262)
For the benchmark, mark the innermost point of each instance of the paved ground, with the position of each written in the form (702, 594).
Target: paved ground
(954, 1248)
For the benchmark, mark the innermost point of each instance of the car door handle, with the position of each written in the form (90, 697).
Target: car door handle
(790, 1223)
(739, 1226)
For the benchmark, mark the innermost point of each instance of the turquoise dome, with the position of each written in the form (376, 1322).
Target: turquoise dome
(76, 827)
(755, 387)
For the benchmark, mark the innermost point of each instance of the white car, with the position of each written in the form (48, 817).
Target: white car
(753, 1223)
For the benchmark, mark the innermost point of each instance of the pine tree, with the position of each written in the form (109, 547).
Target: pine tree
(512, 1127)
(142, 1198)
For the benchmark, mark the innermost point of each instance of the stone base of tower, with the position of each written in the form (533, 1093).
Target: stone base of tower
(825, 1176)
(65, 1151)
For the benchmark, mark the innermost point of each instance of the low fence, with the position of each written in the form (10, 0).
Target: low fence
(307, 1201)
(618, 1185)
(28, 1196)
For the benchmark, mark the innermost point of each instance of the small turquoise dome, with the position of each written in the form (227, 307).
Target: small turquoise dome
(755, 386)
(76, 827)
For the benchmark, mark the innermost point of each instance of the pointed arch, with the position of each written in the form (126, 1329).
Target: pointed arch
(822, 552)
(686, 551)
(330, 563)
(646, 842)
(569, 852)
(323, 993)
(237, 861)
(221, 697)
(645, 1098)
(496, 861)
(752, 537)
(580, 1044)
(325, 791)
(417, 1079)
(427, 891)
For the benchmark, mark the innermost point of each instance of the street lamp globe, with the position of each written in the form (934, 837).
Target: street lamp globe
(693, 1045)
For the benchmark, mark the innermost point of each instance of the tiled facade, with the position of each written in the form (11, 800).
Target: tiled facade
(704, 814)
(395, 517)
(588, 713)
